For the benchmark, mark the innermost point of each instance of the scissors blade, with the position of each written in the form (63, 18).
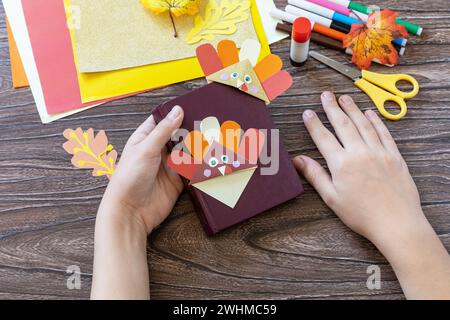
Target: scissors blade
(350, 72)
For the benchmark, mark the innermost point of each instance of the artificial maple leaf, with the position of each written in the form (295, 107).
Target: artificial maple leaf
(373, 40)
(174, 7)
(91, 152)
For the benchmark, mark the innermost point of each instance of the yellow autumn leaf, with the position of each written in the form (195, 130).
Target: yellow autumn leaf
(219, 19)
(175, 8)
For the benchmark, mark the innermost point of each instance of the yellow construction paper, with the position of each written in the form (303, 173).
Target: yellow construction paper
(104, 85)
(128, 35)
(229, 188)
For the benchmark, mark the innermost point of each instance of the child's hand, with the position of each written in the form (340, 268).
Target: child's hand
(372, 192)
(143, 187)
(139, 197)
(370, 187)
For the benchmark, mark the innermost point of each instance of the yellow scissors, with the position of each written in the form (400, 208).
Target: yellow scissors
(379, 87)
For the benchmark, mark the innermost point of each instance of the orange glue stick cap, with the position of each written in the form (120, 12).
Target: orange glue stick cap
(301, 30)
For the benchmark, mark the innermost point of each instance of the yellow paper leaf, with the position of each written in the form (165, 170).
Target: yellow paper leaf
(91, 152)
(219, 19)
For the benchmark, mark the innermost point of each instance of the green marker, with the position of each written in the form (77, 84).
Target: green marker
(411, 27)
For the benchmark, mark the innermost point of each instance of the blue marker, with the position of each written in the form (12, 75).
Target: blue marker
(333, 15)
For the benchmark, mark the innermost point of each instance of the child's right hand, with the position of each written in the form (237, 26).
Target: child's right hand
(370, 187)
(372, 192)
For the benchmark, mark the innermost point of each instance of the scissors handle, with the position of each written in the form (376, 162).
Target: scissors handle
(380, 96)
(389, 82)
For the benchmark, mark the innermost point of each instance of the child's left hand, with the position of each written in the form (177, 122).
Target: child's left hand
(143, 187)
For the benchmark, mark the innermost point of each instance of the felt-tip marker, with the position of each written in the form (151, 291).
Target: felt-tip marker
(317, 27)
(325, 41)
(317, 19)
(333, 6)
(341, 9)
(324, 12)
(329, 22)
(411, 27)
(332, 15)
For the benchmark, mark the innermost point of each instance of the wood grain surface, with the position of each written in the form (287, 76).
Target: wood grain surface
(298, 250)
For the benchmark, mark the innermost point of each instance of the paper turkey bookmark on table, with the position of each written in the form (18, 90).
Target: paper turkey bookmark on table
(221, 159)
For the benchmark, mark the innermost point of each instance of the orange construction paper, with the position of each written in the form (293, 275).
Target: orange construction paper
(19, 78)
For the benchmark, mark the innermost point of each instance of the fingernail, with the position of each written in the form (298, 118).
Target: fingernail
(346, 99)
(308, 114)
(300, 162)
(174, 113)
(370, 114)
(327, 96)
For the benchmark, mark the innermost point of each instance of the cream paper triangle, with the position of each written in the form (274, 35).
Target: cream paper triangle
(229, 188)
(241, 69)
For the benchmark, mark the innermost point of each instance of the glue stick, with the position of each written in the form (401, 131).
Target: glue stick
(301, 34)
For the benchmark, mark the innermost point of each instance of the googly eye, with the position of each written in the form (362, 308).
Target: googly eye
(235, 75)
(224, 158)
(213, 162)
(248, 79)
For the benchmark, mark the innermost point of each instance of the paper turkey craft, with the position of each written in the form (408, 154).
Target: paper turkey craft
(264, 79)
(220, 159)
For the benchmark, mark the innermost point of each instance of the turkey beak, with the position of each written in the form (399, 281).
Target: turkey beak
(222, 169)
(242, 86)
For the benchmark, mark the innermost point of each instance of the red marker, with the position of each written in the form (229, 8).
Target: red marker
(301, 35)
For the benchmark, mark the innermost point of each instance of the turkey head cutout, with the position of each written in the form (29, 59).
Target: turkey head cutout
(219, 159)
(264, 79)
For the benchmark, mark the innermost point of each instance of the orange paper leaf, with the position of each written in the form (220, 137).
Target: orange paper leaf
(373, 40)
(91, 152)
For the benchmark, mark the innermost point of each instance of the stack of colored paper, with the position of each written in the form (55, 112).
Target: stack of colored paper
(77, 54)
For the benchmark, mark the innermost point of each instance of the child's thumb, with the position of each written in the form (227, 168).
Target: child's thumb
(158, 138)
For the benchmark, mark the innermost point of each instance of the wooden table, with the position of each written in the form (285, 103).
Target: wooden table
(298, 250)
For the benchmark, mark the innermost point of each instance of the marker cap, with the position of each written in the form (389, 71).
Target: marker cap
(301, 30)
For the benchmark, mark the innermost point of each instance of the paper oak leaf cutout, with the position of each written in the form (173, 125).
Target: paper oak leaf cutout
(175, 8)
(91, 152)
(219, 19)
(373, 40)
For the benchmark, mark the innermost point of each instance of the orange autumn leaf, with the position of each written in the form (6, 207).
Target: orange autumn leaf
(373, 40)
(91, 152)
